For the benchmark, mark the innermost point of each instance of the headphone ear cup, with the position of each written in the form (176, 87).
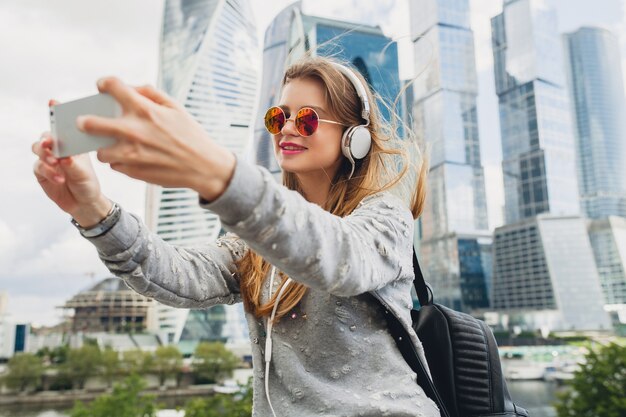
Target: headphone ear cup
(345, 143)
(356, 142)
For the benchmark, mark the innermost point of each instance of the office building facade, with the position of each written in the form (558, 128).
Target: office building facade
(608, 240)
(545, 270)
(455, 239)
(208, 62)
(545, 275)
(538, 154)
(594, 69)
(593, 63)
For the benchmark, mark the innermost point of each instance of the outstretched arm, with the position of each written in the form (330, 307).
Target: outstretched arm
(345, 256)
(196, 277)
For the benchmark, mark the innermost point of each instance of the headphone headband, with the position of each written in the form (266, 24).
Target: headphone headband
(360, 90)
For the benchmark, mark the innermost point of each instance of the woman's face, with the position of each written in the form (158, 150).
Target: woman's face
(321, 151)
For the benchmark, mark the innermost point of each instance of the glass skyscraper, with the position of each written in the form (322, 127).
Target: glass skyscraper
(597, 91)
(291, 34)
(455, 239)
(538, 154)
(209, 64)
(544, 268)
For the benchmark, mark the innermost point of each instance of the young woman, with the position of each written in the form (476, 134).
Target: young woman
(309, 259)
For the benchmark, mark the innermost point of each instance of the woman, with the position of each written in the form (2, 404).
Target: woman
(308, 258)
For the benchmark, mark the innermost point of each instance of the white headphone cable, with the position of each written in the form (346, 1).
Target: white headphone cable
(268, 340)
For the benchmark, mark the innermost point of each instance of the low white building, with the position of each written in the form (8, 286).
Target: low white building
(545, 275)
(13, 337)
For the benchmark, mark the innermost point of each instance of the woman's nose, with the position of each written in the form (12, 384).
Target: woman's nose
(290, 128)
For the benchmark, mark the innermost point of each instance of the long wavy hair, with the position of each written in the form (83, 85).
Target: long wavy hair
(392, 164)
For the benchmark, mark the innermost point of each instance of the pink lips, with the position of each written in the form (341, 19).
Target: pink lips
(289, 148)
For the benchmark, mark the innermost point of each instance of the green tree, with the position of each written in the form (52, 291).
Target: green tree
(213, 362)
(125, 401)
(136, 362)
(55, 356)
(23, 370)
(59, 354)
(598, 387)
(222, 405)
(81, 364)
(110, 366)
(167, 362)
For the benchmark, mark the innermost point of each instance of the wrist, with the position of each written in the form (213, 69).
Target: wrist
(91, 214)
(210, 188)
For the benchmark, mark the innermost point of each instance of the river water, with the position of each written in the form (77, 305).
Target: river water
(535, 396)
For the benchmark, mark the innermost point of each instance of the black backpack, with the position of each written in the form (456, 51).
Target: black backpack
(467, 378)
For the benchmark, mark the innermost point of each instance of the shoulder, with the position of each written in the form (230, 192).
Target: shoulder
(384, 203)
(384, 211)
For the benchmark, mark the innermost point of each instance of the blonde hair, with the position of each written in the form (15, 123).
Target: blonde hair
(389, 165)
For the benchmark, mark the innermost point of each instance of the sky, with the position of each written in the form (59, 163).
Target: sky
(59, 49)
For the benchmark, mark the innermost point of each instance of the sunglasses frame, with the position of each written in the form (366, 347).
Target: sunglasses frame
(295, 120)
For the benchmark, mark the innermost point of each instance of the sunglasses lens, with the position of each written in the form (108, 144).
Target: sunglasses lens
(274, 120)
(306, 121)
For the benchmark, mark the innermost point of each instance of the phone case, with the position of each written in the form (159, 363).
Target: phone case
(68, 140)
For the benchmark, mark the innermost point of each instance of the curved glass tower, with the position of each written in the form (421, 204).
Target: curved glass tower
(209, 64)
(597, 91)
(209, 61)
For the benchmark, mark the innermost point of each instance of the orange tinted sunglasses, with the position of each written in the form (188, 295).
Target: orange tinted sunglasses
(306, 120)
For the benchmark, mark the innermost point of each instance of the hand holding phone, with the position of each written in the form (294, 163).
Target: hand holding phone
(68, 139)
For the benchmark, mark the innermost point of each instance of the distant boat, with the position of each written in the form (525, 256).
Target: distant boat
(229, 386)
(533, 363)
(523, 369)
(564, 372)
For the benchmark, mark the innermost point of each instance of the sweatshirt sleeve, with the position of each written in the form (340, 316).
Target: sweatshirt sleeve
(190, 277)
(347, 256)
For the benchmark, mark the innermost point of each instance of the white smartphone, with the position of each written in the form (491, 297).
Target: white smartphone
(67, 138)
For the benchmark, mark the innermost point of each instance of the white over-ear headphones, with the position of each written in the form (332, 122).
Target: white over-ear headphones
(356, 140)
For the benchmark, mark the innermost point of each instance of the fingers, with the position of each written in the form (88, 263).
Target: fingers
(155, 95)
(43, 149)
(46, 167)
(44, 172)
(105, 126)
(123, 94)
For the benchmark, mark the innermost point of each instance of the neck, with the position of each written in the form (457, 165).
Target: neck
(315, 187)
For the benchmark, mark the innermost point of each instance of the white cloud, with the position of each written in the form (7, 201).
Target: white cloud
(58, 50)
(78, 255)
(7, 245)
(38, 310)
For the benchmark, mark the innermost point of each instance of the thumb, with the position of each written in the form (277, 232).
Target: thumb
(75, 167)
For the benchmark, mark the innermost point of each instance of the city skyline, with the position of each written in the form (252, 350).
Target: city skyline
(42, 258)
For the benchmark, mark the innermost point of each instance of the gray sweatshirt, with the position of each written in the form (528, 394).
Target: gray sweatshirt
(332, 355)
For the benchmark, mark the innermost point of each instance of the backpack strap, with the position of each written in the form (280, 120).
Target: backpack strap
(405, 345)
(421, 288)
